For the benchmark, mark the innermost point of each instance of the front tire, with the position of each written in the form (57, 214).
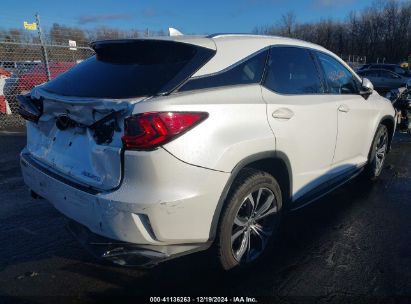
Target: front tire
(378, 153)
(250, 220)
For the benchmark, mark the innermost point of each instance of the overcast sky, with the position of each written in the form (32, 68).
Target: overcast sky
(192, 16)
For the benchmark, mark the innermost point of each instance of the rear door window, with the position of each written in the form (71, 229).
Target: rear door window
(247, 71)
(131, 68)
(292, 70)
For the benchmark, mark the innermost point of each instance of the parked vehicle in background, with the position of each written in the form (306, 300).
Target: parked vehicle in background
(4, 105)
(11, 85)
(363, 67)
(401, 99)
(396, 68)
(19, 66)
(157, 148)
(8, 65)
(384, 80)
(38, 75)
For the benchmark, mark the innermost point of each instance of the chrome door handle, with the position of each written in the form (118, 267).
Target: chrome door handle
(283, 114)
(343, 108)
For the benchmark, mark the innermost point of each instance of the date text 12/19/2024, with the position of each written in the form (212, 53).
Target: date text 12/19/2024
(203, 300)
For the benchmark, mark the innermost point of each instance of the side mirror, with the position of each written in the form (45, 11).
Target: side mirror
(367, 88)
(408, 84)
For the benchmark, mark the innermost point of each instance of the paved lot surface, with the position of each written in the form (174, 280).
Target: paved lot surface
(353, 245)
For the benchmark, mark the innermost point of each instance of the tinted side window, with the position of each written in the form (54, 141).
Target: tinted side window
(388, 68)
(8, 65)
(292, 70)
(339, 79)
(387, 74)
(399, 70)
(373, 74)
(249, 71)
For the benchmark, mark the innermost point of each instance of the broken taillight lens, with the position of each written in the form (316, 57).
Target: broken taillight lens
(148, 131)
(28, 110)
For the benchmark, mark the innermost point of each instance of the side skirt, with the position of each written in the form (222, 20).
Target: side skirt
(326, 188)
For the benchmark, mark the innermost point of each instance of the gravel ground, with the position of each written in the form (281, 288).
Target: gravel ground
(353, 245)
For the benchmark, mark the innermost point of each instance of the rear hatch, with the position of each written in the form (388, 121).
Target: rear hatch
(81, 113)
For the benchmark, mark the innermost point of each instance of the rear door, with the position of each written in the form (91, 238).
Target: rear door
(302, 117)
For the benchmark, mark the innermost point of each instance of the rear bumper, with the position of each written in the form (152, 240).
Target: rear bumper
(172, 211)
(128, 254)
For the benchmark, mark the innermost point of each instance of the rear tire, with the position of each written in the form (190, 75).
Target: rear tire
(250, 220)
(378, 153)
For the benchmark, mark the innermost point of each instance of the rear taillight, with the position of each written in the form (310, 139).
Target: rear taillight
(28, 115)
(28, 110)
(148, 131)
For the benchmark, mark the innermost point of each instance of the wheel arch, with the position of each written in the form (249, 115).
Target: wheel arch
(275, 163)
(389, 122)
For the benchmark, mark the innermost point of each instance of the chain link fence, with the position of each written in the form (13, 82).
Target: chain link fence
(23, 66)
(354, 61)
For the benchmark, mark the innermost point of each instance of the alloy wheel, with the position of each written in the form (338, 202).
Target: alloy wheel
(253, 225)
(380, 152)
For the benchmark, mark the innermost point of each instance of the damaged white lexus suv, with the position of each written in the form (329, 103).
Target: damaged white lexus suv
(156, 148)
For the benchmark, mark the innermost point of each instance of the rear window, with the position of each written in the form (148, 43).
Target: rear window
(131, 68)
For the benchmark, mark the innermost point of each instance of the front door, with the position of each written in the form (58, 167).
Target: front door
(354, 113)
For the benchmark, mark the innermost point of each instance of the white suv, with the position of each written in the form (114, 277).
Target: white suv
(157, 148)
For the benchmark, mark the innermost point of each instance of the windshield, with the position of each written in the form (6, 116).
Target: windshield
(131, 68)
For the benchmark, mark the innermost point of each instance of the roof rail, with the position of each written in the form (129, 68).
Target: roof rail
(227, 34)
(244, 35)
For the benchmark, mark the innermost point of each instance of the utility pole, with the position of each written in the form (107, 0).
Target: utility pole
(43, 47)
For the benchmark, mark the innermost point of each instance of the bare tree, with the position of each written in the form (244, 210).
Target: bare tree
(287, 25)
(382, 30)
